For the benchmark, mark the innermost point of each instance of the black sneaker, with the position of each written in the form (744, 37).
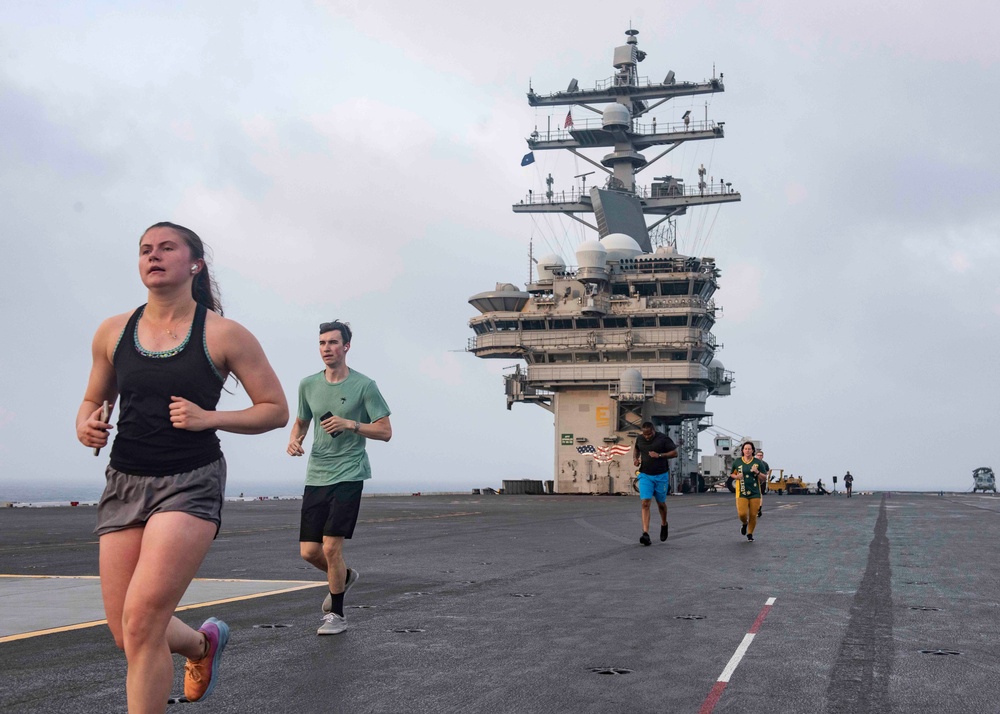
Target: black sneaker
(750, 537)
(644, 539)
(663, 532)
(743, 529)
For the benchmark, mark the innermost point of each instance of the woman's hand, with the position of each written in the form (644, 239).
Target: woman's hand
(93, 431)
(189, 416)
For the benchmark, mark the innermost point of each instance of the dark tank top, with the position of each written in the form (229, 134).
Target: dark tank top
(146, 443)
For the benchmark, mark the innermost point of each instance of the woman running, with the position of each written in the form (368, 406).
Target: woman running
(746, 470)
(162, 506)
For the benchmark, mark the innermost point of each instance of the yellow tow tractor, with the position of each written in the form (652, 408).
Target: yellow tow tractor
(790, 484)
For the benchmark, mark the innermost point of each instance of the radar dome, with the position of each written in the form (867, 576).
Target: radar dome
(620, 246)
(630, 381)
(548, 263)
(591, 254)
(616, 115)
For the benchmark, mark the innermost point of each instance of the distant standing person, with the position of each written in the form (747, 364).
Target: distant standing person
(765, 475)
(746, 471)
(345, 408)
(651, 453)
(162, 505)
(848, 483)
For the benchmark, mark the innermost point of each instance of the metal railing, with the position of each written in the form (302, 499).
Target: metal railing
(595, 123)
(674, 190)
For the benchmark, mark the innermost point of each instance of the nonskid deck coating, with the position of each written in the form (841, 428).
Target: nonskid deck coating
(522, 603)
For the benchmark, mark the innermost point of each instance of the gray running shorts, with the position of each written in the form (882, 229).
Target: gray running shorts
(128, 501)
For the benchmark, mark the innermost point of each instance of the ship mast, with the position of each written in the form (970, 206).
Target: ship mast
(620, 128)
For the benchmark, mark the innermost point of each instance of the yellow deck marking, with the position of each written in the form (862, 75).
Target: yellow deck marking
(83, 625)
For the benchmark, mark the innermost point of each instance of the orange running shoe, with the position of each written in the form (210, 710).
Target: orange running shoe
(201, 675)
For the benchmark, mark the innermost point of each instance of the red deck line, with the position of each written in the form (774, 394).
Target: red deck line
(720, 685)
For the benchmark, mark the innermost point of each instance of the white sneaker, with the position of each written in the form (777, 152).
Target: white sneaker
(328, 601)
(333, 624)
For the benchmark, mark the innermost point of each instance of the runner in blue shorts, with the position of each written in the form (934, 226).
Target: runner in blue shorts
(652, 451)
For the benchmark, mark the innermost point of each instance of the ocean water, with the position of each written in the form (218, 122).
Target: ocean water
(47, 492)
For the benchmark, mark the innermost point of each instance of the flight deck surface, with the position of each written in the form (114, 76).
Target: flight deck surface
(878, 603)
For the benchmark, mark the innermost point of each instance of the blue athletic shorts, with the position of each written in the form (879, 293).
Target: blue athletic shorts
(650, 486)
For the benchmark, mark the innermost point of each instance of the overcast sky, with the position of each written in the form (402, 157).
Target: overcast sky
(358, 160)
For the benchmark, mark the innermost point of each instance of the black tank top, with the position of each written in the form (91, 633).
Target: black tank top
(146, 443)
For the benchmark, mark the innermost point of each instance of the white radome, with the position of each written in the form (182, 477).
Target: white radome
(620, 246)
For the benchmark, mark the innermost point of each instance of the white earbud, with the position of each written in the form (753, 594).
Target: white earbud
(194, 268)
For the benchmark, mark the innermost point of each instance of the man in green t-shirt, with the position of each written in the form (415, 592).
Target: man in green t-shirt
(345, 409)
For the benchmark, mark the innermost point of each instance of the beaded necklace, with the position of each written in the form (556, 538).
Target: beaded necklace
(165, 353)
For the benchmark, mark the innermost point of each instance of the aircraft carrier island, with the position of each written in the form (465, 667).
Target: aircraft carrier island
(624, 336)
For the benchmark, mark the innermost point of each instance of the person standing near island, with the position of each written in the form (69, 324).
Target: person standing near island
(162, 505)
(765, 476)
(652, 451)
(848, 483)
(346, 409)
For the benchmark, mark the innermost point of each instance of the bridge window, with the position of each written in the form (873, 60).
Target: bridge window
(673, 321)
(674, 288)
(643, 322)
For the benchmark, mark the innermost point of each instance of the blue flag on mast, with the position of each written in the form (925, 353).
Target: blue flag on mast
(528, 158)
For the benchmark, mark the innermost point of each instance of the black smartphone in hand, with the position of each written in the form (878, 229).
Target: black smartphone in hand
(326, 416)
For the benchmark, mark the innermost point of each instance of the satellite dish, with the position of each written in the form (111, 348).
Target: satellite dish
(573, 86)
(670, 78)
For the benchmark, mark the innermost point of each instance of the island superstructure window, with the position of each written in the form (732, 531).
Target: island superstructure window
(674, 288)
(673, 321)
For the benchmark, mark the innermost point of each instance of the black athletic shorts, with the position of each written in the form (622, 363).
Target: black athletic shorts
(330, 511)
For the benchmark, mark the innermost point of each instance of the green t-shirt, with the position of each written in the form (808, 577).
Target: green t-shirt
(340, 458)
(749, 485)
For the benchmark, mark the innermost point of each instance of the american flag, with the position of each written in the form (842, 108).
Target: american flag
(568, 124)
(604, 454)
